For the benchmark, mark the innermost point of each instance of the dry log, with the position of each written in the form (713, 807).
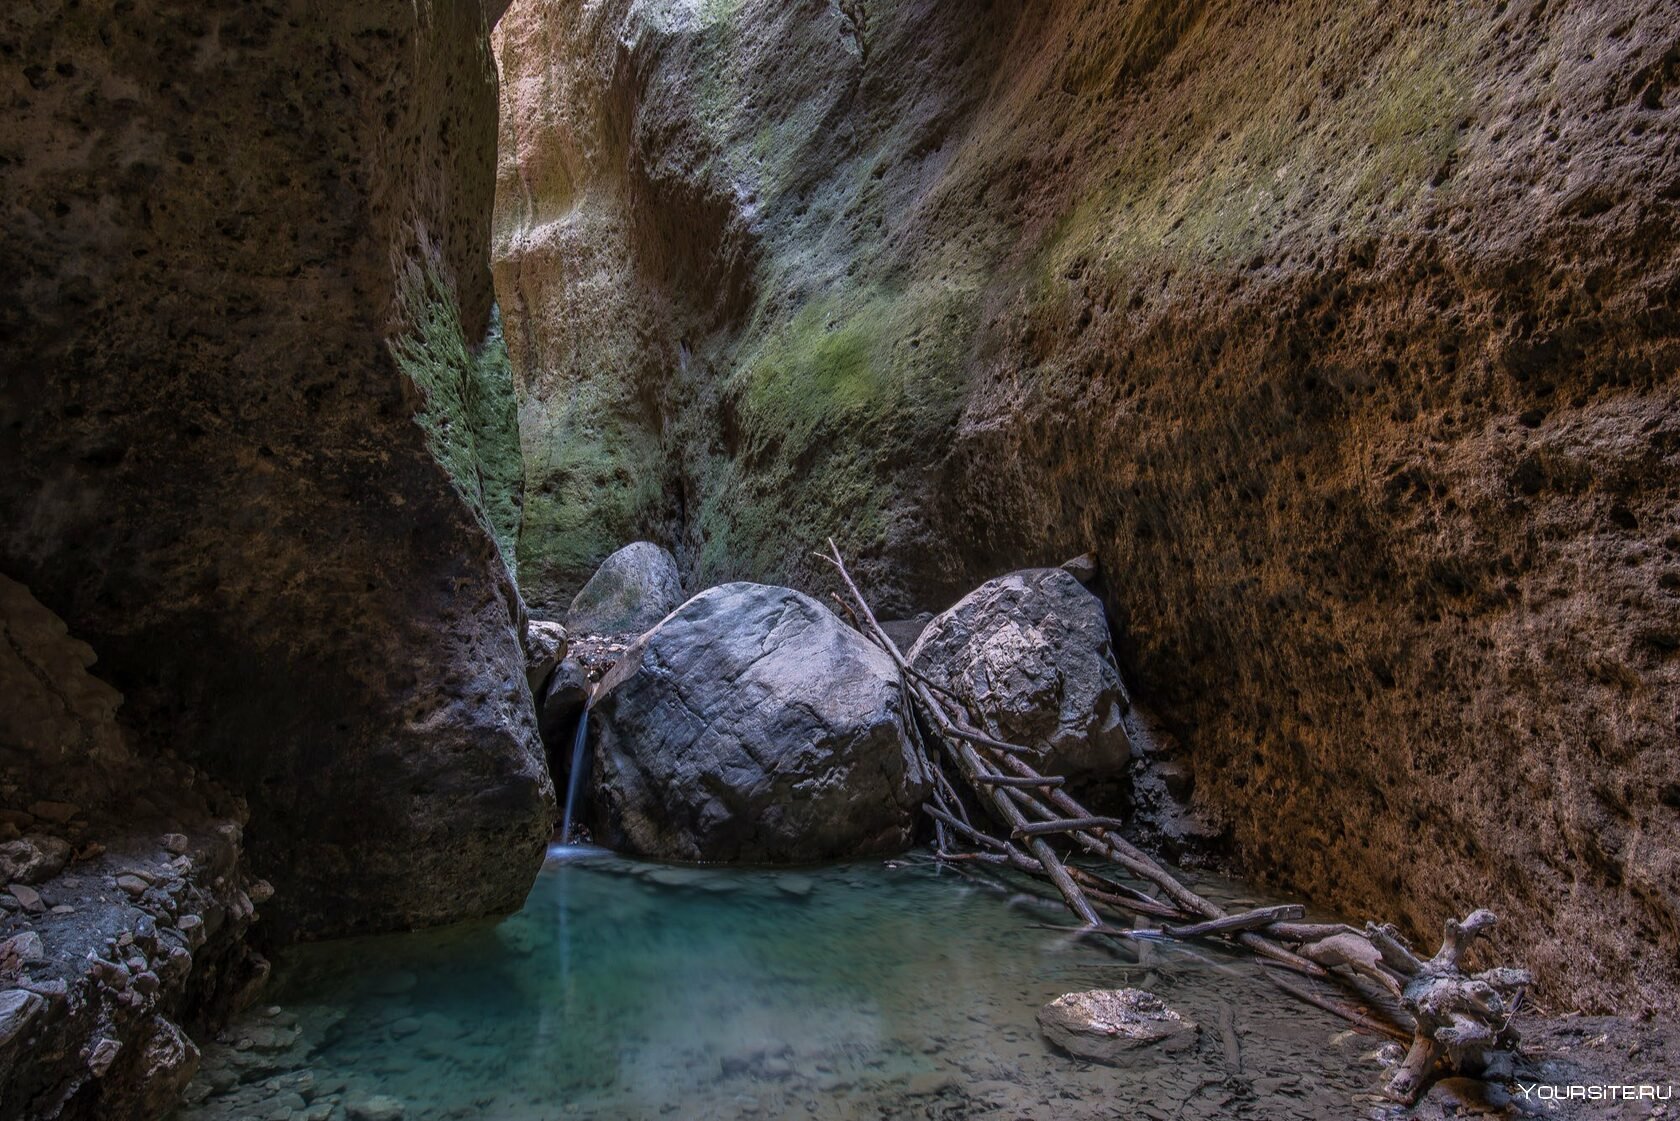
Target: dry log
(1231, 924)
(1070, 825)
(1248, 920)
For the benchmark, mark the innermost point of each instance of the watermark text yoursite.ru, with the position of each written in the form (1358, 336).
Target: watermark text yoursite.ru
(1634, 1092)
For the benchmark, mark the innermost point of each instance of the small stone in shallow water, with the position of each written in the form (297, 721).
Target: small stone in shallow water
(134, 885)
(378, 1108)
(929, 1084)
(666, 876)
(795, 885)
(1103, 1024)
(408, 1025)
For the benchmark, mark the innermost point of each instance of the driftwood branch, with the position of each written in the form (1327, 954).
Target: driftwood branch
(1451, 1019)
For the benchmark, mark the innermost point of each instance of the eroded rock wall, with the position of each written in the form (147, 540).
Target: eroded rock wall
(1346, 335)
(251, 444)
(124, 902)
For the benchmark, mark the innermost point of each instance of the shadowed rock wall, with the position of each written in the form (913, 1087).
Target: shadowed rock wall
(1346, 336)
(248, 445)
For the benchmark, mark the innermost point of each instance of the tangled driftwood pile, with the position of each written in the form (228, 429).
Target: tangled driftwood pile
(1451, 1019)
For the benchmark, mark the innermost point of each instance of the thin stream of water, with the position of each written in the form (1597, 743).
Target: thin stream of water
(575, 779)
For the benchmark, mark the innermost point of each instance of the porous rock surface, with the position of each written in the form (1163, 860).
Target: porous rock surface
(633, 589)
(1346, 336)
(753, 725)
(1032, 651)
(546, 643)
(125, 902)
(250, 440)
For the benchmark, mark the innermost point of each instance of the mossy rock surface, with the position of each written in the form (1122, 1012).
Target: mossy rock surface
(1342, 334)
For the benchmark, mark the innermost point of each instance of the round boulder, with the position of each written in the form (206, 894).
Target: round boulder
(631, 591)
(753, 725)
(1032, 649)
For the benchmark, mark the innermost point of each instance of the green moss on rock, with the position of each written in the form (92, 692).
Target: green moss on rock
(468, 412)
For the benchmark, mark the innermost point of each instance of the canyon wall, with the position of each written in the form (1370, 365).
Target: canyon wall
(1346, 335)
(256, 442)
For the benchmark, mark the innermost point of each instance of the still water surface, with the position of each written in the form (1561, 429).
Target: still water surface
(628, 990)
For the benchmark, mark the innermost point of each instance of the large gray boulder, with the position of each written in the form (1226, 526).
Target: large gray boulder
(631, 591)
(753, 725)
(1032, 648)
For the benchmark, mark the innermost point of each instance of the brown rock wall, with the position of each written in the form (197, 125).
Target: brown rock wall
(216, 218)
(1346, 335)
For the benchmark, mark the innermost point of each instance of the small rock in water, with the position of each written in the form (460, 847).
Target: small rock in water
(381, 1107)
(176, 843)
(929, 1084)
(1103, 1024)
(406, 1026)
(795, 885)
(668, 876)
(518, 938)
(269, 1038)
(132, 884)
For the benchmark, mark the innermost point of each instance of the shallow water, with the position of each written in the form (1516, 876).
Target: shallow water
(629, 990)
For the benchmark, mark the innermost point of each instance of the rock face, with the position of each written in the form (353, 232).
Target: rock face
(1032, 650)
(545, 648)
(1104, 1024)
(126, 913)
(258, 431)
(1345, 338)
(632, 590)
(752, 725)
(565, 696)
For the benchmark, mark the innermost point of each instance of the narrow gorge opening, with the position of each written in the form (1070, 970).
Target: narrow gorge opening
(987, 560)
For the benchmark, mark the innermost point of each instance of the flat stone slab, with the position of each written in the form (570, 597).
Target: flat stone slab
(1103, 1024)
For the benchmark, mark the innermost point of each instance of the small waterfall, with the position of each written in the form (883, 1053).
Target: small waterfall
(575, 779)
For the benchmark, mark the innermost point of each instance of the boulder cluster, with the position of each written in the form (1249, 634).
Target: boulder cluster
(750, 723)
